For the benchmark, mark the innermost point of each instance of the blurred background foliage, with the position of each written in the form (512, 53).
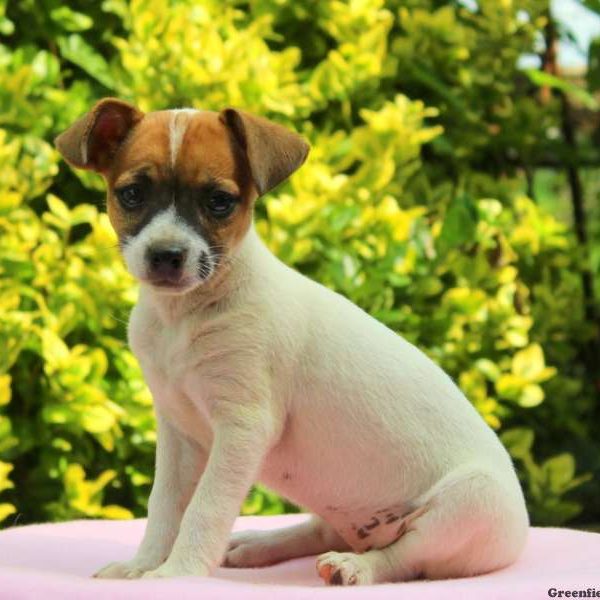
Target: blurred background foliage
(438, 196)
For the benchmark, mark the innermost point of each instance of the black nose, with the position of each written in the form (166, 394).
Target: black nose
(166, 263)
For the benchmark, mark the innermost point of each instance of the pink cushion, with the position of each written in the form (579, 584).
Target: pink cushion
(56, 561)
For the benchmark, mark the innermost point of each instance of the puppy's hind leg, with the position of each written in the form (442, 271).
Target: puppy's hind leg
(260, 548)
(469, 523)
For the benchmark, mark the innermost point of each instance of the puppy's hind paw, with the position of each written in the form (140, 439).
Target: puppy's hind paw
(343, 568)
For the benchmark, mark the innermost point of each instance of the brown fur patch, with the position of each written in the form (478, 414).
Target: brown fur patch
(145, 150)
(207, 155)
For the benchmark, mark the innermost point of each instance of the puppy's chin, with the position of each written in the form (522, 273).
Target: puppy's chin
(170, 288)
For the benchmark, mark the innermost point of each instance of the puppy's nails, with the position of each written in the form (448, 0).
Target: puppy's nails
(324, 571)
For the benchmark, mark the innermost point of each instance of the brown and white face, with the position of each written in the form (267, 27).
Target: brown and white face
(181, 183)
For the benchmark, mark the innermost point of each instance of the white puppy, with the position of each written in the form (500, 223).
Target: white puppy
(258, 373)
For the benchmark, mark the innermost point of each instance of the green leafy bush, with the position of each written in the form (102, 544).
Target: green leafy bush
(412, 204)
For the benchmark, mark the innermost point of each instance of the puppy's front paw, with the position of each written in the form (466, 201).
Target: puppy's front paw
(177, 569)
(129, 569)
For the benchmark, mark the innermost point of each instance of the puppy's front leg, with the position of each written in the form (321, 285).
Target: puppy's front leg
(179, 462)
(239, 445)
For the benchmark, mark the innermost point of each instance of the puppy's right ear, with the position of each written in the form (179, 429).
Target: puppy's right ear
(93, 140)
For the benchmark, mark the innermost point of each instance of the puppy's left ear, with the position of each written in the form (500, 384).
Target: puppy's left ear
(93, 140)
(273, 152)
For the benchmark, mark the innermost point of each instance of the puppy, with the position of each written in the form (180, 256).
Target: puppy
(259, 373)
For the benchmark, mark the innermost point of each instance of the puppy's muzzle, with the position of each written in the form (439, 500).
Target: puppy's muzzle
(165, 265)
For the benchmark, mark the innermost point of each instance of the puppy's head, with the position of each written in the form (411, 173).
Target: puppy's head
(181, 183)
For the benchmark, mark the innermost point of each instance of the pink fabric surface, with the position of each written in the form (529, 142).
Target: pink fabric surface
(55, 561)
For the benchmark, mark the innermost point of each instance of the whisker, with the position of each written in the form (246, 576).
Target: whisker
(119, 320)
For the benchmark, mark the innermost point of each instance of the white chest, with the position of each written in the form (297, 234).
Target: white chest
(168, 367)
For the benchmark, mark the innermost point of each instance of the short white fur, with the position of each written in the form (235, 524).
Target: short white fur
(289, 383)
(180, 119)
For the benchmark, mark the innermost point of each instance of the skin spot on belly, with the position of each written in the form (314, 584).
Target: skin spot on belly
(286, 476)
(366, 529)
(383, 510)
(372, 524)
(384, 528)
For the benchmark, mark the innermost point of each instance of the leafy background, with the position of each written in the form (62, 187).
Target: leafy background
(436, 197)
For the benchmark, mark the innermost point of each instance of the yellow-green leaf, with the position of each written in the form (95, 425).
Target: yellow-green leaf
(5, 469)
(531, 396)
(5, 391)
(6, 510)
(58, 207)
(518, 441)
(510, 386)
(560, 470)
(112, 511)
(529, 362)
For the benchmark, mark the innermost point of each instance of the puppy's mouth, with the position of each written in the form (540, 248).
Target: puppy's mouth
(182, 284)
(173, 286)
(168, 283)
(171, 278)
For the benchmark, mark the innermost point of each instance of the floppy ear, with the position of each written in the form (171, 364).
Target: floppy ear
(273, 152)
(93, 140)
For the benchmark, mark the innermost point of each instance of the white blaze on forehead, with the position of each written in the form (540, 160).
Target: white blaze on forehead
(164, 228)
(180, 119)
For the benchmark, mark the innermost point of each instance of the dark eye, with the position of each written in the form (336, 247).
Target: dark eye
(130, 196)
(221, 204)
